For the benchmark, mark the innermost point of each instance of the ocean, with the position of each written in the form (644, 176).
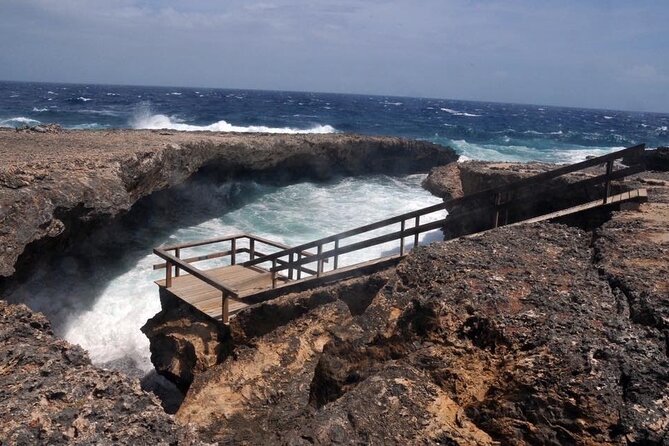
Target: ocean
(477, 130)
(102, 309)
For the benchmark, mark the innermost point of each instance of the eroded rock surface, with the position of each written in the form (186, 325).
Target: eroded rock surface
(513, 334)
(185, 343)
(51, 394)
(53, 185)
(512, 337)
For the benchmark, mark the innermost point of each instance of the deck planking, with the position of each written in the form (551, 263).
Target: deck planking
(245, 281)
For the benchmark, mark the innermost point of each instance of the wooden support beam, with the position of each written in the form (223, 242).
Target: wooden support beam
(177, 254)
(415, 237)
(225, 308)
(607, 183)
(168, 275)
(233, 251)
(402, 225)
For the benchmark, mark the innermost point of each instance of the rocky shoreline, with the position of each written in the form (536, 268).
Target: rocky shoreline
(533, 334)
(54, 186)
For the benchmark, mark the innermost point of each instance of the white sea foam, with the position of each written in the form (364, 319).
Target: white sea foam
(494, 152)
(459, 113)
(51, 92)
(106, 321)
(18, 121)
(174, 93)
(35, 109)
(608, 117)
(83, 99)
(150, 121)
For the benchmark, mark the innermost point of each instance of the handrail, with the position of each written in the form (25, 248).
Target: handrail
(487, 193)
(296, 258)
(202, 275)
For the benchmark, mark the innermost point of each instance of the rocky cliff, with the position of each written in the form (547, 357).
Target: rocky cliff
(51, 394)
(57, 184)
(536, 334)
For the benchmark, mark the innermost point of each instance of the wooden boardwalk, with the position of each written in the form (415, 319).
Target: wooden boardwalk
(244, 281)
(260, 269)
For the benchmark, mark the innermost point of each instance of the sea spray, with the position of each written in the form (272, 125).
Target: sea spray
(99, 296)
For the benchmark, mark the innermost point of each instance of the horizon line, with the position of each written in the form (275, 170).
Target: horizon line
(575, 107)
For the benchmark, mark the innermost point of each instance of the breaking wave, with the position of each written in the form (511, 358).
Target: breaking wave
(155, 122)
(459, 113)
(18, 121)
(518, 153)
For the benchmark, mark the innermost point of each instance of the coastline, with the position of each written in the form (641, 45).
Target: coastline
(525, 334)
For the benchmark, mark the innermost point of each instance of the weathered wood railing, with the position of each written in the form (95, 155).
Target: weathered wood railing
(291, 262)
(174, 264)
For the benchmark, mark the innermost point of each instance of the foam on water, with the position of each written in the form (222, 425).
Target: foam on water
(103, 307)
(18, 121)
(510, 153)
(158, 121)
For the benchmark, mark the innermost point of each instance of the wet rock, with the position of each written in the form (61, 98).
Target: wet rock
(51, 394)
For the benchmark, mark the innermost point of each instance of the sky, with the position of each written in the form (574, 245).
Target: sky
(610, 54)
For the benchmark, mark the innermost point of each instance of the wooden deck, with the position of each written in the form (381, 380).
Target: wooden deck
(245, 281)
(257, 274)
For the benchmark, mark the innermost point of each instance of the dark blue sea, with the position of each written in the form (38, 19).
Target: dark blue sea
(477, 130)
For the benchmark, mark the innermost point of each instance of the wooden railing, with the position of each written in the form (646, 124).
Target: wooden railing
(291, 262)
(501, 198)
(174, 264)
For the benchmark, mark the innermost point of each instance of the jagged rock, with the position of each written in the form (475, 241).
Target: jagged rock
(513, 331)
(444, 182)
(264, 389)
(51, 394)
(185, 343)
(77, 178)
(478, 215)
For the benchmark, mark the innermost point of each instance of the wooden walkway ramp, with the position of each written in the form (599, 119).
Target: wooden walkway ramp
(256, 269)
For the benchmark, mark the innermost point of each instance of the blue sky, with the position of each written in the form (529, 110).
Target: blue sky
(601, 54)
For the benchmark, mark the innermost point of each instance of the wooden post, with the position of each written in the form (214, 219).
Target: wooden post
(299, 268)
(607, 184)
(319, 262)
(336, 257)
(402, 237)
(290, 266)
(415, 237)
(168, 274)
(273, 273)
(252, 248)
(225, 307)
(233, 251)
(498, 199)
(177, 253)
